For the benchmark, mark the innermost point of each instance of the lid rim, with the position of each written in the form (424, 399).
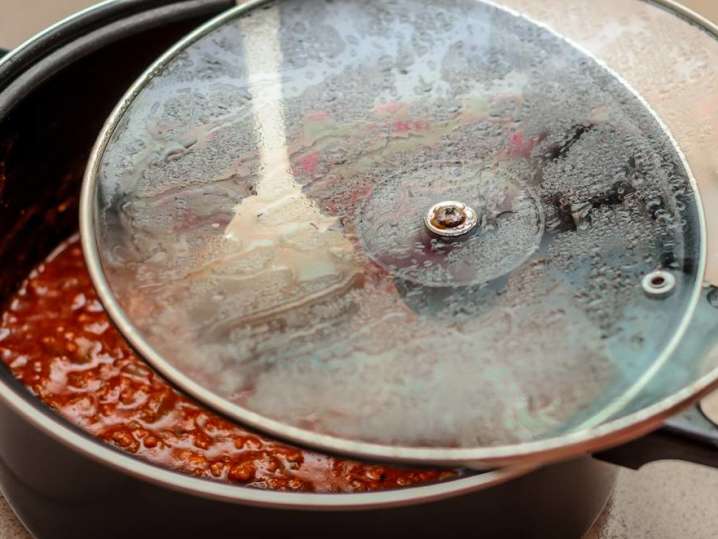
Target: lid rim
(586, 440)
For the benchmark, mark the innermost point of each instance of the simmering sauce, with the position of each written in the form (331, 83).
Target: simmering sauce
(57, 339)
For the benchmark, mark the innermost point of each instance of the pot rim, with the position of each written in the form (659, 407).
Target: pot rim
(70, 436)
(43, 418)
(43, 34)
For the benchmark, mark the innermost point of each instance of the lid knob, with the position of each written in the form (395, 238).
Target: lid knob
(450, 219)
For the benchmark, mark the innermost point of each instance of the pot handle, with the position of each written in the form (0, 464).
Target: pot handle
(689, 436)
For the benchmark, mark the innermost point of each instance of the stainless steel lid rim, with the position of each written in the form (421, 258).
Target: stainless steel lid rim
(583, 441)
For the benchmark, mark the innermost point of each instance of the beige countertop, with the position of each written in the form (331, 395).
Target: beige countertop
(666, 500)
(22, 18)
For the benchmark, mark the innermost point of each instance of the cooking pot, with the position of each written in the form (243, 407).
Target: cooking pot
(55, 93)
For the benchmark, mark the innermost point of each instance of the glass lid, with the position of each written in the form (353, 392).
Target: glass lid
(404, 229)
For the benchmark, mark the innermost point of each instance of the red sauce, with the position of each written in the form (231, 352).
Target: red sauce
(57, 339)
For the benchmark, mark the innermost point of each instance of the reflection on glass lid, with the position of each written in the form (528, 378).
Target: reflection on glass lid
(262, 221)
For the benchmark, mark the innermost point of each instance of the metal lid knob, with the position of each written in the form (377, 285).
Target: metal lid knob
(451, 219)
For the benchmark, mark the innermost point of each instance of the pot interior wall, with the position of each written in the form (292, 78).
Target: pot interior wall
(45, 142)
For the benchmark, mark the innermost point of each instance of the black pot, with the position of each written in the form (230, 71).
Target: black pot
(55, 97)
(55, 94)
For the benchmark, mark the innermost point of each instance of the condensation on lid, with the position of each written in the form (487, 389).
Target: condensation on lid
(260, 221)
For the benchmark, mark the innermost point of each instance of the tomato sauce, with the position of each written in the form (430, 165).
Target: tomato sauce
(57, 339)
